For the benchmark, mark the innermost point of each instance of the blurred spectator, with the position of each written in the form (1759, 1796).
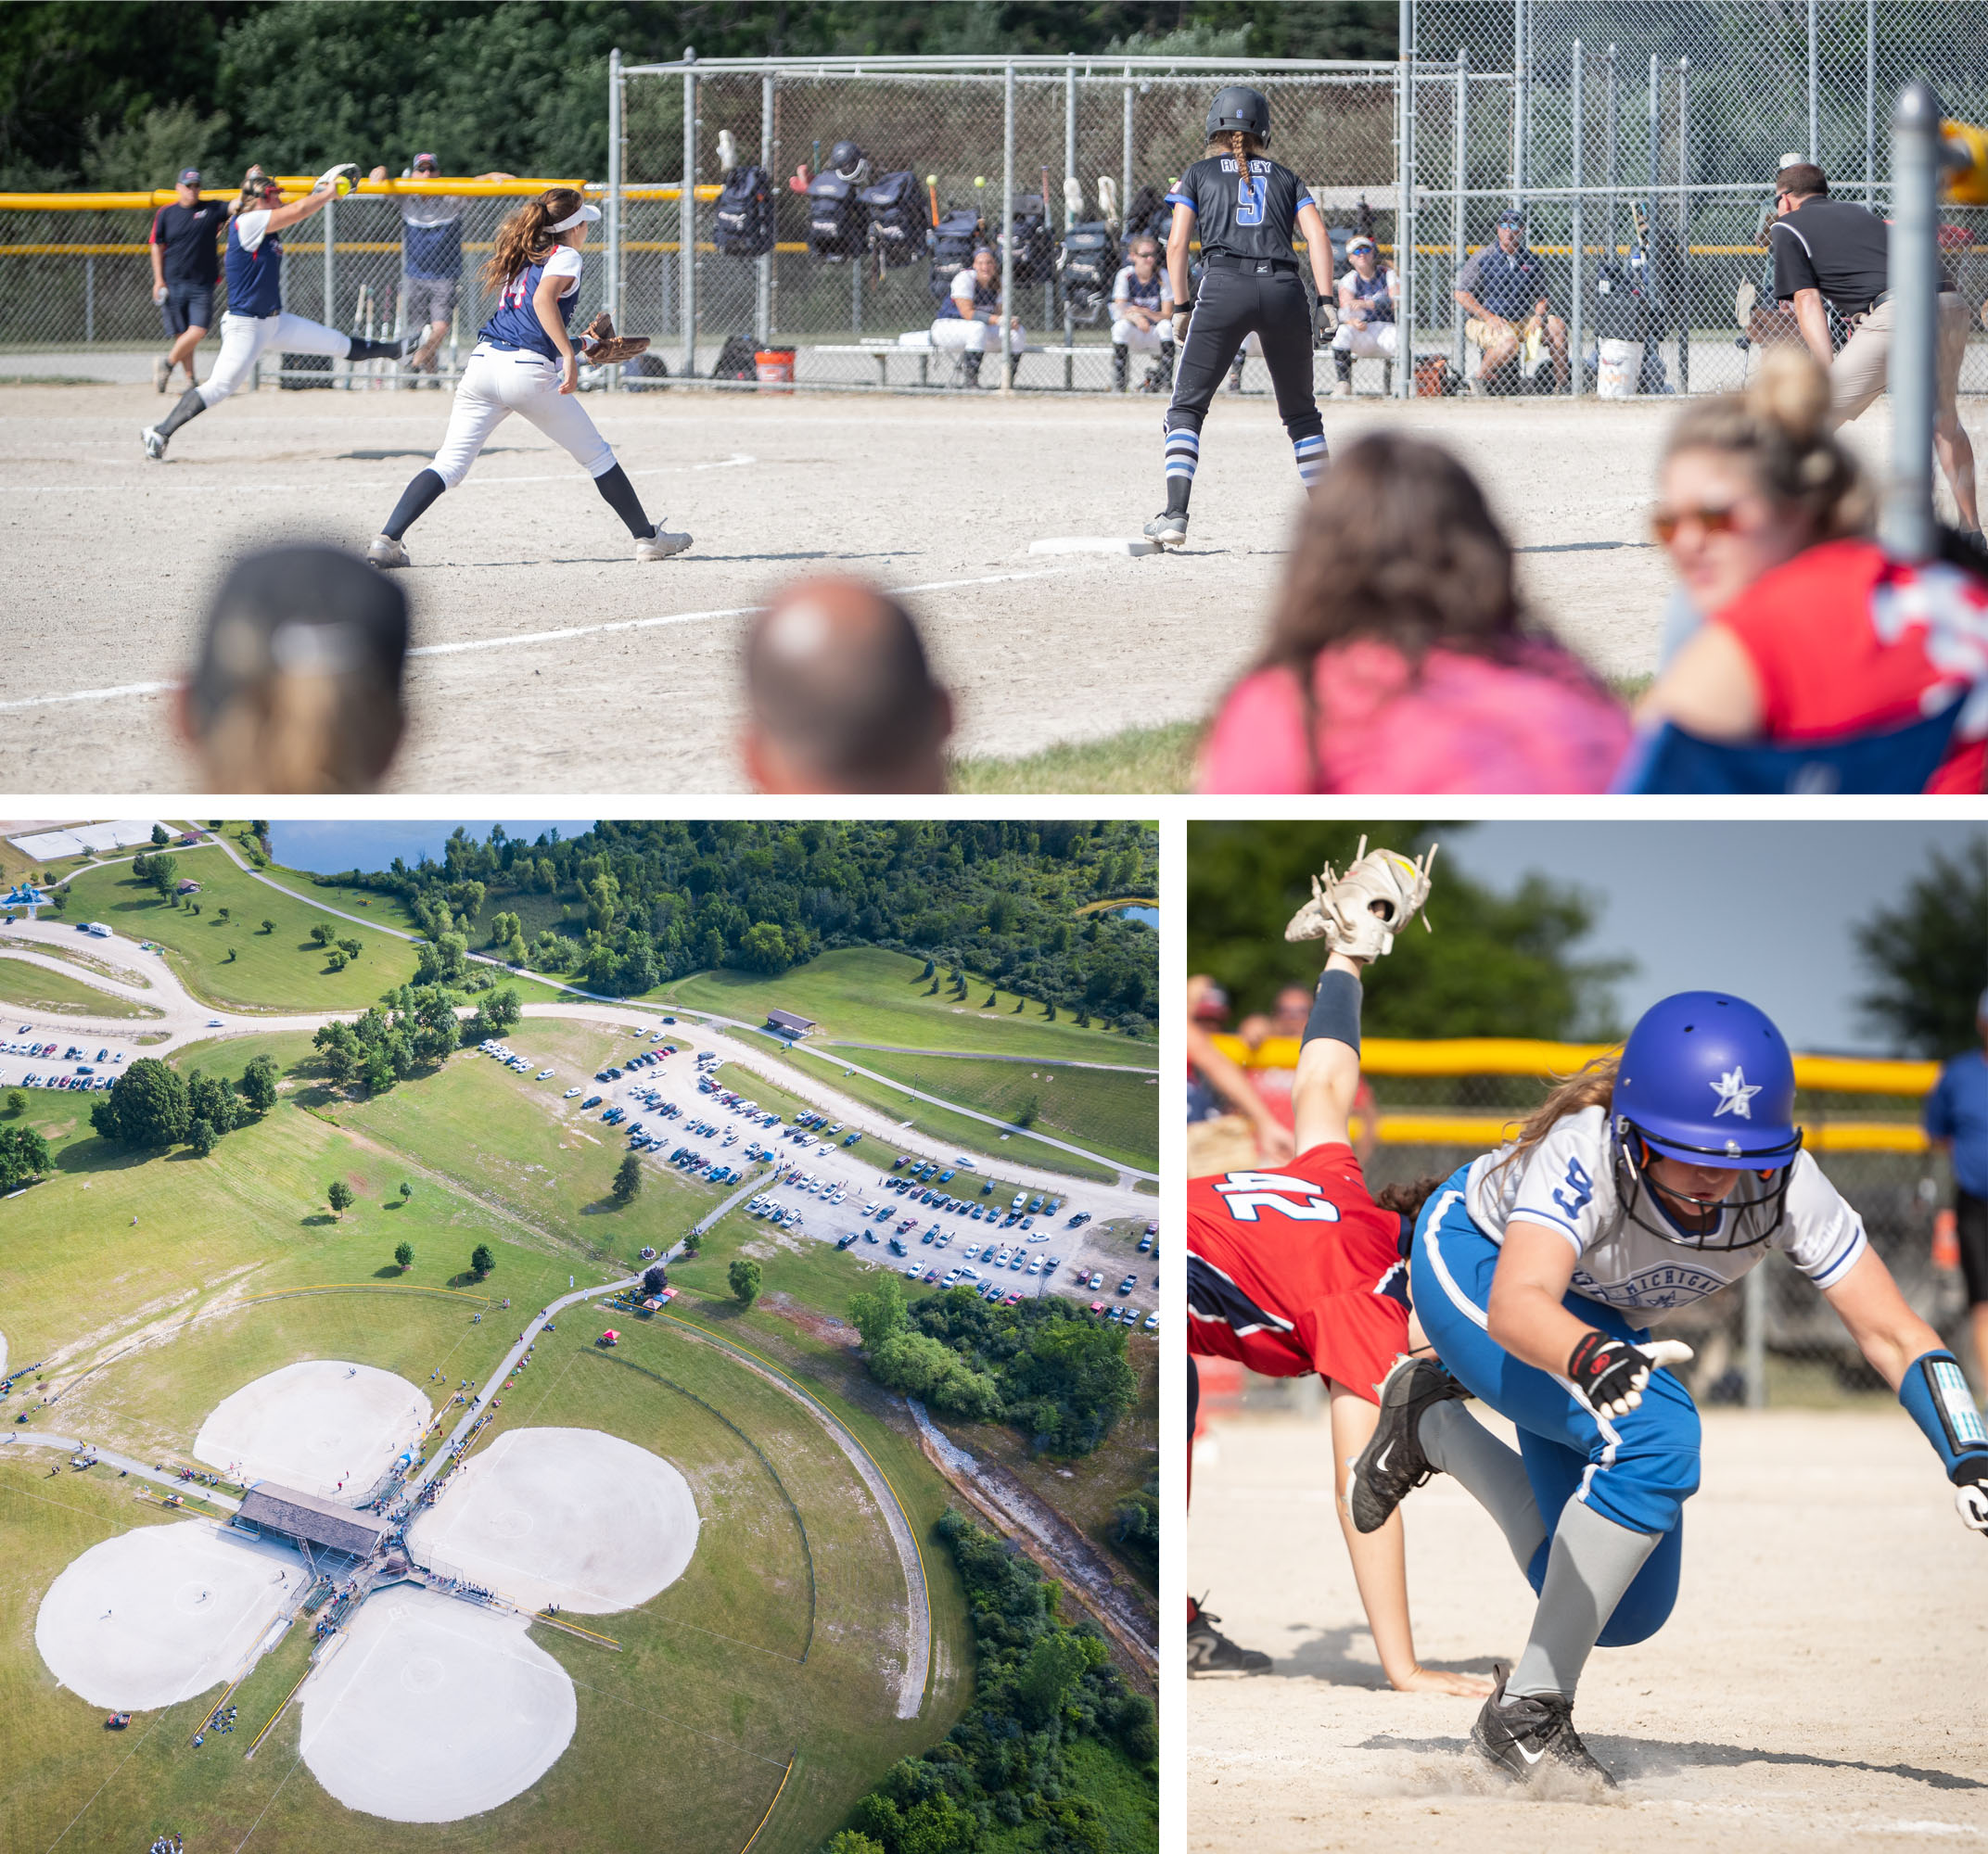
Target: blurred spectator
(1957, 1123)
(1216, 1080)
(1366, 327)
(431, 256)
(1208, 1004)
(1398, 660)
(1828, 254)
(840, 695)
(1142, 311)
(1812, 634)
(1291, 1013)
(1503, 290)
(297, 688)
(185, 267)
(1252, 1030)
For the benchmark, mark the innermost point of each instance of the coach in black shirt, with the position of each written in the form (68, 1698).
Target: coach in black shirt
(1825, 249)
(185, 266)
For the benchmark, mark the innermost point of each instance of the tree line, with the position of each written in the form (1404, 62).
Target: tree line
(152, 1105)
(630, 906)
(1041, 1686)
(1044, 1365)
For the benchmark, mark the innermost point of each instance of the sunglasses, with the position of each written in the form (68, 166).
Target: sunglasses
(1666, 522)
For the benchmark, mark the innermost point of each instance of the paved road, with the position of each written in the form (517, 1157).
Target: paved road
(69, 1445)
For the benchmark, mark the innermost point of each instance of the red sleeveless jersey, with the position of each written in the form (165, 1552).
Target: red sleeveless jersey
(1297, 1270)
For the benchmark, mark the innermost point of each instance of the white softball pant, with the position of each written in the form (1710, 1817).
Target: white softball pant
(1143, 340)
(244, 339)
(957, 335)
(495, 384)
(1369, 341)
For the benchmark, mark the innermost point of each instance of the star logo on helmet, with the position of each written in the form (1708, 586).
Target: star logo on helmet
(1734, 1094)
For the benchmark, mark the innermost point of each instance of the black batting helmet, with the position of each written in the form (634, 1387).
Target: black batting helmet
(1238, 107)
(845, 157)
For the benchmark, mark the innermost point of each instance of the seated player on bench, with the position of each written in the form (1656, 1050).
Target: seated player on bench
(970, 323)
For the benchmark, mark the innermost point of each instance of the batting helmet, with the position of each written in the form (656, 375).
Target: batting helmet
(1238, 107)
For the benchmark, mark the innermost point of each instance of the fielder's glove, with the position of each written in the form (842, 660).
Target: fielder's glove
(1609, 1375)
(330, 176)
(1360, 913)
(604, 348)
(1970, 1491)
(1328, 320)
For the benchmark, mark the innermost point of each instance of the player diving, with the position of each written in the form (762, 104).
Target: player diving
(1298, 1270)
(1655, 1175)
(1246, 208)
(256, 320)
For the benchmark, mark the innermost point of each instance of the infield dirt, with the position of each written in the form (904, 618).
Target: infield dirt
(1818, 1683)
(526, 591)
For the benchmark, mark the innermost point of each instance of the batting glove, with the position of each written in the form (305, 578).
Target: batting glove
(1609, 1375)
(1970, 1491)
(1328, 320)
(1180, 319)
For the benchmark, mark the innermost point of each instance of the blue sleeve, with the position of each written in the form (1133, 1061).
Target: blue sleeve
(1939, 1112)
(1936, 1397)
(1178, 195)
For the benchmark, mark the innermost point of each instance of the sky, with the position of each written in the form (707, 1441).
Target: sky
(1763, 910)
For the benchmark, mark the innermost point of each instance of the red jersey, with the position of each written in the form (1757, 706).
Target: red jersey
(1845, 640)
(1296, 1270)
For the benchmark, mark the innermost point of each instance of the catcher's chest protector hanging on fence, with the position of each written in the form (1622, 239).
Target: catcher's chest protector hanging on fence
(835, 219)
(1035, 257)
(742, 221)
(953, 239)
(896, 206)
(1088, 264)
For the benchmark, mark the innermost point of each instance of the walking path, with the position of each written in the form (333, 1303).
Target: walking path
(171, 1481)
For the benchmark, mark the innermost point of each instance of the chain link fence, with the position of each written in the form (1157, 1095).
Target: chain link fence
(1773, 1339)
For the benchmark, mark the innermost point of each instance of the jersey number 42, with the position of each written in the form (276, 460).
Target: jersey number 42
(1249, 1194)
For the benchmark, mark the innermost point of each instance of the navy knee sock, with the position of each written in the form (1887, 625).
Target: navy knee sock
(414, 503)
(622, 497)
(379, 350)
(191, 405)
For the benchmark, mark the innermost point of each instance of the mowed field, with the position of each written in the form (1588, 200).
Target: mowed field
(523, 579)
(34, 987)
(866, 995)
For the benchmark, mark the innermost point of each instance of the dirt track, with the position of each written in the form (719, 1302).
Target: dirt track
(1819, 1683)
(109, 558)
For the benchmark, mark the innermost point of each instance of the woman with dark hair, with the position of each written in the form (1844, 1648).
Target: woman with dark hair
(525, 361)
(1398, 660)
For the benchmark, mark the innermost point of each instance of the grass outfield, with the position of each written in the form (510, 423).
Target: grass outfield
(1115, 1111)
(283, 970)
(708, 1696)
(866, 995)
(1135, 759)
(33, 987)
(955, 1131)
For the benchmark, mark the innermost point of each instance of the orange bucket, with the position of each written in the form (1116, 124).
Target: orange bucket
(775, 366)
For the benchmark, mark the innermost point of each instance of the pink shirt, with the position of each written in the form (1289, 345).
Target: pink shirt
(1460, 722)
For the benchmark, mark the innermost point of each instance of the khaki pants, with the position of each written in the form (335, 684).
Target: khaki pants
(1862, 364)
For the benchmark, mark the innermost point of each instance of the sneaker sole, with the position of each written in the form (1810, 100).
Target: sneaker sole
(1357, 1481)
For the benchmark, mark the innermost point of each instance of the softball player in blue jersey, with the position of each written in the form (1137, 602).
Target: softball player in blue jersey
(256, 320)
(525, 362)
(1653, 1177)
(1247, 209)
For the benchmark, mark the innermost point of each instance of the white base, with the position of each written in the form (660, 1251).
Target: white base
(1081, 543)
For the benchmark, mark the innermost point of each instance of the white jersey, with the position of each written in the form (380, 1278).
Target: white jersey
(1567, 1183)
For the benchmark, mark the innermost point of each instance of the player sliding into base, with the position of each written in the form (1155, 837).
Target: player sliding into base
(1299, 1270)
(256, 320)
(1657, 1174)
(1246, 208)
(525, 361)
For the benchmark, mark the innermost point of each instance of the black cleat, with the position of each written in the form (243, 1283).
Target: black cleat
(1393, 1464)
(1210, 1652)
(1525, 1733)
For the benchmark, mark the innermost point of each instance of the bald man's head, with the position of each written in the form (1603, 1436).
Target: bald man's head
(840, 695)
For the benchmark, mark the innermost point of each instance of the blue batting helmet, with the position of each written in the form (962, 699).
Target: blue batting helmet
(1707, 1078)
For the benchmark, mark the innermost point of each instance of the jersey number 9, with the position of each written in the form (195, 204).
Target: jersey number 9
(1249, 200)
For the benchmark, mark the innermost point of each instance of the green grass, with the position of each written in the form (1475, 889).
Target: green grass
(955, 1131)
(35, 987)
(283, 970)
(866, 995)
(1115, 1111)
(1136, 759)
(72, 954)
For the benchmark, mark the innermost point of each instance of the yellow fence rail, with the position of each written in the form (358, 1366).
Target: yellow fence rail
(1483, 1131)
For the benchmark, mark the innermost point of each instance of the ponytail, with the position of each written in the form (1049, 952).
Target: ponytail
(527, 237)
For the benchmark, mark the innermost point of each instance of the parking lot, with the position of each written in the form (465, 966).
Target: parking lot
(55, 1059)
(931, 1219)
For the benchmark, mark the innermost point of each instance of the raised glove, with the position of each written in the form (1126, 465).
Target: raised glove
(330, 176)
(1610, 1374)
(1970, 1491)
(1328, 320)
(1360, 913)
(604, 348)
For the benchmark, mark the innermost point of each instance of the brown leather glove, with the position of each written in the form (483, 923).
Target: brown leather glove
(604, 348)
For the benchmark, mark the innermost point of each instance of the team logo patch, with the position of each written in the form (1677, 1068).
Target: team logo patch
(1734, 1094)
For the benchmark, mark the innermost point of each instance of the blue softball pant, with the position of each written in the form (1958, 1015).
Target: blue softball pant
(1636, 1469)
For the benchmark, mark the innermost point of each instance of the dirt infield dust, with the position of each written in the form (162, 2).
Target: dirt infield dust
(1819, 1684)
(559, 664)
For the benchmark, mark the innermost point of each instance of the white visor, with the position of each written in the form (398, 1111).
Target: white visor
(585, 212)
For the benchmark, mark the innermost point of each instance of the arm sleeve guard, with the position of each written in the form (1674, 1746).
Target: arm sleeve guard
(1936, 1397)
(1335, 1012)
